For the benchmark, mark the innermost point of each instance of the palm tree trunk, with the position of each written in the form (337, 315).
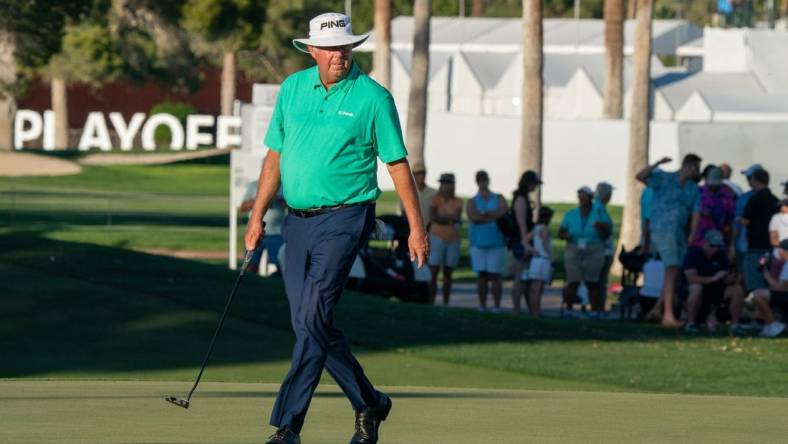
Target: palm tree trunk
(419, 73)
(60, 107)
(531, 127)
(477, 9)
(784, 9)
(228, 83)
(631, 9)
(639, 123)
(7, 99)
(382, 56)
(614, 54)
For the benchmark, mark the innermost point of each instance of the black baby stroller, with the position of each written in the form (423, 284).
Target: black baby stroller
(383, 265)
(632, 263)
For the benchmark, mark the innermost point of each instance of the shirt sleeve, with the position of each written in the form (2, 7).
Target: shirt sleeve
(655, 179)
(774, 223)
(275, 136)
(696, 201)
(565, 222)
(749, 209)
(784, 273)
(388, 133)
(690, 261)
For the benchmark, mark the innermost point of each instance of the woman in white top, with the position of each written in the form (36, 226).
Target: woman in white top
(540, 269)
(778, 227)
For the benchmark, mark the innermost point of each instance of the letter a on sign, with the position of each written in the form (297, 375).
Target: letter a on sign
(95, 133)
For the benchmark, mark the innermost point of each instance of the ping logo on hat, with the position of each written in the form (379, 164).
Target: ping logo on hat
(333, 24)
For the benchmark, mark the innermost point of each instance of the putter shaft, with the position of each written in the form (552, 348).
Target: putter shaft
(185, 402)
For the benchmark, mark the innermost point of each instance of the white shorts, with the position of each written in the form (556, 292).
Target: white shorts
(540, 269)
(487, 260)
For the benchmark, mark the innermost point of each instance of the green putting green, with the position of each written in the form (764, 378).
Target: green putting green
(135, 412)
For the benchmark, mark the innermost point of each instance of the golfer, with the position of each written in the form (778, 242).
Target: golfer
(330, 124)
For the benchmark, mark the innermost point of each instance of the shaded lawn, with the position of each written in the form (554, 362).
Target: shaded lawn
(134, 309)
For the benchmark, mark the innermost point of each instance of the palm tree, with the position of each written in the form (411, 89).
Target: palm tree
(419, 76)
(59, 99)
(614, 48)
(220, 30)
(87, 55)
(8, 77)
(382, 56)
(531, 128)
(639, 123)
(631, 7)
(477, 8)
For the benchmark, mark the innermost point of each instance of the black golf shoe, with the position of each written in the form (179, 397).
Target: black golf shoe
(368, 421)
(284, 436)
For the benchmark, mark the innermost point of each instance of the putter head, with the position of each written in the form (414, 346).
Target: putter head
(177, 401)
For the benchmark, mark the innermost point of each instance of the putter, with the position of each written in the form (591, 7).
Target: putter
(180, 402)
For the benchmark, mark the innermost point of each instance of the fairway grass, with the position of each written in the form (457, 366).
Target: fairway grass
(135, 412)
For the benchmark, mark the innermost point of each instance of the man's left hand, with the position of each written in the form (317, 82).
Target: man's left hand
(419, 246)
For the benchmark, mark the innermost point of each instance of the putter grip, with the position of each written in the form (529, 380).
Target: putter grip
(247, 258)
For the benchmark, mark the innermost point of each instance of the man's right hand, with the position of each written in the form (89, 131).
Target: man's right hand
(255, 232)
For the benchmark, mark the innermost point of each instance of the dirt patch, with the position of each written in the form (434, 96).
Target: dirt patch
(147, 159)
(27, 164)
(188, 254)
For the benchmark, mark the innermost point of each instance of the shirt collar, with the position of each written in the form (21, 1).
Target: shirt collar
(351, 76)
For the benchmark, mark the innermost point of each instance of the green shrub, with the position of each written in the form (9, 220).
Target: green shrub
(178, 109)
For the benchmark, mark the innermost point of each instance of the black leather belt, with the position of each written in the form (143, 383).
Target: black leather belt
(312, 212)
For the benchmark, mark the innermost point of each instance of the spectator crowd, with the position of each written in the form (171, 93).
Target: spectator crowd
(707, 245)
(708, 248)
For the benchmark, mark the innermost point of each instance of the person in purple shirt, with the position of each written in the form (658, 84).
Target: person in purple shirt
(717, 207)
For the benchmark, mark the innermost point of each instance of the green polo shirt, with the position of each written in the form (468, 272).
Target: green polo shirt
(329, 141)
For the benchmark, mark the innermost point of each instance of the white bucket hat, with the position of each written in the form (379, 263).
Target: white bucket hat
(330, 29)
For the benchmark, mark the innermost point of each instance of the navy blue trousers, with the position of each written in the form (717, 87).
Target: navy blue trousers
(319, 253)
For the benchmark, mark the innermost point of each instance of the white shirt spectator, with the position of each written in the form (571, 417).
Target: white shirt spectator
(779, 223)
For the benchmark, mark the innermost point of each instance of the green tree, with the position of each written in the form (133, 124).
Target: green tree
(219, 29)
(152, 44)
(30, 32)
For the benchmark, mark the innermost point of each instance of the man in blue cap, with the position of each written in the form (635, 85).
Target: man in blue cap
(706, 270)
(330, 125)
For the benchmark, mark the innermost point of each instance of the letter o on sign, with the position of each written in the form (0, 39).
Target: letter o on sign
(149, 130)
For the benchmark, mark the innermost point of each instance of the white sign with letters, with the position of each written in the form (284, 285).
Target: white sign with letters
(30, 125)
